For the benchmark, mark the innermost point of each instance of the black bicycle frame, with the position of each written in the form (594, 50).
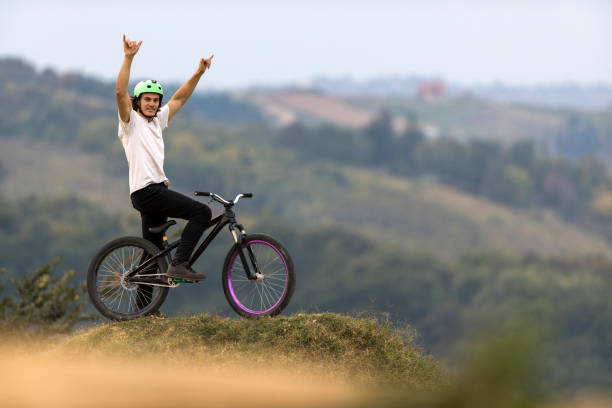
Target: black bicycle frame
(219, 222)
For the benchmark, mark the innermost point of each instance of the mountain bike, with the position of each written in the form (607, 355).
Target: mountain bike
(127, 277)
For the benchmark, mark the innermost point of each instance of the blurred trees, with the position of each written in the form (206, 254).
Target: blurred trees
(43, 302)
(326, 142)
(578, 138)
(513, 175)
(35, 230)
(380, 133)
(405, 147)
(16, 69)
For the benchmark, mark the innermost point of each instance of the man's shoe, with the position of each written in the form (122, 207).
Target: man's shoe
(184, 272)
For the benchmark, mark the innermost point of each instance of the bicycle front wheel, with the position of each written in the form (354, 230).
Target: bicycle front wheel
(270, 294)
(111, 294)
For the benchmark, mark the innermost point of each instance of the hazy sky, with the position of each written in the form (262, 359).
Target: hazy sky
(267, 41)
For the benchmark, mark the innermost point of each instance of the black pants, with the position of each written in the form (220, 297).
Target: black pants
(156, 203)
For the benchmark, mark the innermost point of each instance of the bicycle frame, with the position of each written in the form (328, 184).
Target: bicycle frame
(219, 222)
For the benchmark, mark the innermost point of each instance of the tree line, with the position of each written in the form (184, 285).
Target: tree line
(515, 174)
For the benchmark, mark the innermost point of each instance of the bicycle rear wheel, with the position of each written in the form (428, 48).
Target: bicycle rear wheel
(267, 296)
(108, 290)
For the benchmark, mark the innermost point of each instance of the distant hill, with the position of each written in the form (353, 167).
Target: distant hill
(426, 216)
(485, 113)
(559, 131)
(461, 117)
(58, 140)
(555, 95)
(219, 106)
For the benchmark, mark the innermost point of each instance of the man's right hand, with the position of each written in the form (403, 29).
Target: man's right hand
(124, 103)
(130, 48)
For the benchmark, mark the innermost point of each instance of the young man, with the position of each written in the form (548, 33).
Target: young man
(141, 121)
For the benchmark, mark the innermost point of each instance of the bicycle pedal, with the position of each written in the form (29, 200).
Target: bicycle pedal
(182, 281)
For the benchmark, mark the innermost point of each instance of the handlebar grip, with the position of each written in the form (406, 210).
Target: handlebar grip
(202, 193)
(247, 195)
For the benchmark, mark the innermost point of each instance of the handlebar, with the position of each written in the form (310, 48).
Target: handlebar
(222, 200)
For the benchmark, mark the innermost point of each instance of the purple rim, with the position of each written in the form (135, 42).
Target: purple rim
(229, 279)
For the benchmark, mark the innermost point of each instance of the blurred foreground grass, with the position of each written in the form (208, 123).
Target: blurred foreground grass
(304, 360)
(360, 349)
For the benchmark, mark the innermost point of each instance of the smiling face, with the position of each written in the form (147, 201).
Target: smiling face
(149, 104)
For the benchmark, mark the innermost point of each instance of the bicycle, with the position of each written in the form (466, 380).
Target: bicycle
(127, 277)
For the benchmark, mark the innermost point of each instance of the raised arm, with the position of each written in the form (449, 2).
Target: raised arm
(180, 97)
(124, 103)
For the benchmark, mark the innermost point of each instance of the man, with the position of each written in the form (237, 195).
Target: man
(141, 121)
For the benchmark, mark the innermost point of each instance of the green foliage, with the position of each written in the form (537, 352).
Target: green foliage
(326, 142)
(380, 132)
(222, 107)
(578, 138)
(16, 69)
(6, 302)
(501, 370)
(38, 229)
(404, 149)
(512, 175)
(43, 302)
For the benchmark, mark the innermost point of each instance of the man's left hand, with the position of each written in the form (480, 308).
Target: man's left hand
(205, 63)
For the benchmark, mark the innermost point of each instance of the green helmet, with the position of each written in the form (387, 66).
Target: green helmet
(148, 86)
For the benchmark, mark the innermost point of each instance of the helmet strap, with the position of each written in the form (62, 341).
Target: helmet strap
(142, 113)
(146, 116)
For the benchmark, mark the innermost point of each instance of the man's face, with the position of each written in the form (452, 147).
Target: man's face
(149, 103)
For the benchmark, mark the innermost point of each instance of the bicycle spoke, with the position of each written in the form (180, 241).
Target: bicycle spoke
(259, 296)
(113, 291)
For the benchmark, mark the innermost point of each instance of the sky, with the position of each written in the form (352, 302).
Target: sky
(274, 42)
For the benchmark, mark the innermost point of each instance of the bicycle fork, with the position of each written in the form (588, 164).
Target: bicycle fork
(239, 240)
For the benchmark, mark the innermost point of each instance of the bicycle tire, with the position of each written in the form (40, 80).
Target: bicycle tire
(110, 295)
(268, 297)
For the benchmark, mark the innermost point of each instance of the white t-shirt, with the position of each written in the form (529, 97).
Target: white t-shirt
(144, 148)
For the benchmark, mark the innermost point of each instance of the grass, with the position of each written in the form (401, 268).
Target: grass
(304, 360)
(360, 349)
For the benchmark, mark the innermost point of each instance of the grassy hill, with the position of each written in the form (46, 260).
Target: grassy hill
(304, 360)
(298, 361)
(359, 349)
